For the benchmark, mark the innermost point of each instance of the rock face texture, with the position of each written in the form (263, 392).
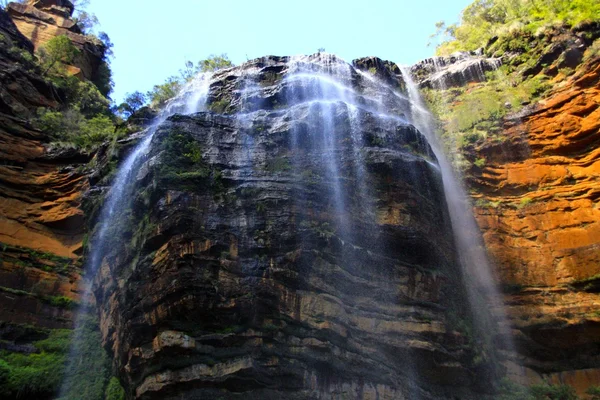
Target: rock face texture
(41, 224)
(291, 243)
(459, 69)
(43, 20)
(543, 230)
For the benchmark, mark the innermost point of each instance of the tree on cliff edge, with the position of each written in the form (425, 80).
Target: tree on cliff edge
(56, 53)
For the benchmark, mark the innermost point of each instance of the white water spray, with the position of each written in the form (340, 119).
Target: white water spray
(482, 289)
(191, 98)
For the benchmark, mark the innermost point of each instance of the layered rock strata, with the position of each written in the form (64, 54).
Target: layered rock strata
(41, 21)
(538, 210)
(41, 223)
(256, 264)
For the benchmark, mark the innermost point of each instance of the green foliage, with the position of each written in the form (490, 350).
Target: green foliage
(56, 53)
(62, 302)
(38, 374)
(214, 63)
(552, 392)
(219, 106)
(278, 164)
(511, 391)
(183, 165)
(85, 120)
(133, 102)
(468, 116)
(86, 21)
(71, 128)
(484, 19)
(480, 162)
(114, 390)
(592, 51)
(160, 94)
(525, 201)
(103, 79)
(593, 392)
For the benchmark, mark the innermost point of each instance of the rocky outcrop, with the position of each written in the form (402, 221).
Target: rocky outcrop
(537, 205)
(40, 21)
(41, 223)
(458, 69)
(252, 269)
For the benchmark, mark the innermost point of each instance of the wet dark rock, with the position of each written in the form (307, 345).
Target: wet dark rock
(455, 70)
(247, 268)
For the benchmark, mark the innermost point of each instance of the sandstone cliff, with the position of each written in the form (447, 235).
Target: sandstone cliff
(533, 177)
(41, 223)
(42, 20)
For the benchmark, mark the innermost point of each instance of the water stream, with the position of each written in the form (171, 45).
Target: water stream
(482, 289)
(191, 98)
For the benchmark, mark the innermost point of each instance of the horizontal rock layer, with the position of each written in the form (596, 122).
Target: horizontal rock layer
(252, 269)
(538, 210)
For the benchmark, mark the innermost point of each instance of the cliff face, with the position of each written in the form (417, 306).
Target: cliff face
(43, 20)
(252, 268)
(41, 224)
(544, 232)
(534, 182)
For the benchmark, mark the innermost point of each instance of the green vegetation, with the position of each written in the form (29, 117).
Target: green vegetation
(160, 94)
(323, 230)
(56, 54)
(594, 393)
(26, 257)
(526, 35)
(37, 374)
(525, 201)
(40, 375)
(133, 102)
(512, 391)
(278, 164)
(469, 116)
(85, 120)
(484, 19)
(183, 166)
(219, 106)
(56, 301)
(114, 390)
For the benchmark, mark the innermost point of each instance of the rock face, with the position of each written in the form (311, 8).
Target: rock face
(43, 20)
(458, 69)
(41, 224)
(292, 243)
(538, 211)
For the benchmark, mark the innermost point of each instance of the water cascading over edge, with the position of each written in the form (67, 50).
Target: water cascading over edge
(292, 242)
(112, 220)
(485, 298)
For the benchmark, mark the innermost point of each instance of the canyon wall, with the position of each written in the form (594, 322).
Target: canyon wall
(246, 272)
(534, 181)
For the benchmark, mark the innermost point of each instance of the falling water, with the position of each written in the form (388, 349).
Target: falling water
(330, 90)
(480, 283)
(191, 98)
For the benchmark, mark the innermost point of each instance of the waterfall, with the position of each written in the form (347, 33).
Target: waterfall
(362, 233)
(482, 289)
(190, 99)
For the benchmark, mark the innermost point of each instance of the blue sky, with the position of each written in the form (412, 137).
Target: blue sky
(154, 38)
